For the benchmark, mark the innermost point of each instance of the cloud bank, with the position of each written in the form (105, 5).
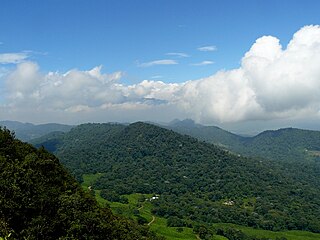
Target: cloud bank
(272, 82)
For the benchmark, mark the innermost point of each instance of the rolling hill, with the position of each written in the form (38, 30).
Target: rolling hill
(196, 182)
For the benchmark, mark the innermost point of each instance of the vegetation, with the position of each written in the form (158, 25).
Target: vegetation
(287, 145)
(196, 182)
(40, 200)
(140, 207)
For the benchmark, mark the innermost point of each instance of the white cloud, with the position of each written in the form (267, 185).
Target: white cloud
(158, 62)
(207, 48)
(203, 63)
(178, 54)
(7, 58)
(272, 82)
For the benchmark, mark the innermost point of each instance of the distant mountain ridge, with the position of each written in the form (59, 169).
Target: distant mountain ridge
(28, 131)
(282, 144)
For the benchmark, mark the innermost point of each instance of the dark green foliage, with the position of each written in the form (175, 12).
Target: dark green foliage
(141, 220)
(113, 196)
(174, 221)
(203, 232)
(197, 181)
(40, 200)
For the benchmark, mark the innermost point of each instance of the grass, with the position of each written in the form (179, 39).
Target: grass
(89, 179)
(159, 225)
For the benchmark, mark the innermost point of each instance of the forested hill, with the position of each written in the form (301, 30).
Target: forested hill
(288, 144)
(40, 200)
(196, 181)
(285, 144)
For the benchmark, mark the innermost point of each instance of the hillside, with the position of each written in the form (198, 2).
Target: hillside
(40, 200)
(28, 131)
(288, 144)
(197, 182)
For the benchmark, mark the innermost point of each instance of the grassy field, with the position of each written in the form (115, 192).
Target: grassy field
(89, 179)
(159, 225)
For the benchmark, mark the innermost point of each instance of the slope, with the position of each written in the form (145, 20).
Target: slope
(40, 200)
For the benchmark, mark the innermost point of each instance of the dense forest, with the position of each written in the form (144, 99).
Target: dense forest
(40, 200)
(196, 182)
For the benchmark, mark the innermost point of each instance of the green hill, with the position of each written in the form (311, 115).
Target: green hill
(288, 144)
(39, 199)
(196, 182)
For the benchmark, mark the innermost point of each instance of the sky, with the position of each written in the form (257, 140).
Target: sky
(242, 65)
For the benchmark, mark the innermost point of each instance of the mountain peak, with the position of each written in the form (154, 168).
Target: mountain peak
(183, 123)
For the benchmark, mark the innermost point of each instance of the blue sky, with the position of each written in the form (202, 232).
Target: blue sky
(170, 41)
(121, 34)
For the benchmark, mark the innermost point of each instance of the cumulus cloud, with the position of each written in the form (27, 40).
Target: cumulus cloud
(272, 82)
(285, 79)
(207, 48)
(203, 63)
(7, 58)
(158, 62)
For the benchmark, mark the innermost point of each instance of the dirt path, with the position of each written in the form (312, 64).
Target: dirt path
(197, 236)
(140, 208)
(153, 219)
